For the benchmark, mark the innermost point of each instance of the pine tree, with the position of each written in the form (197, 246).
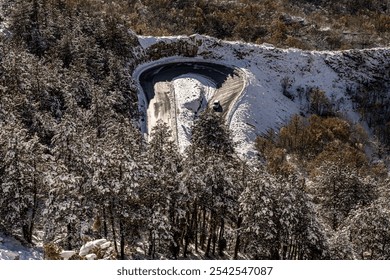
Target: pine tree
(124, 171)
(369, 231)
(340, 189)
(162, 192)
(64, 209)
(206, 176)
(367, 228)
(210, 135)
(22, 192)
(279, 220)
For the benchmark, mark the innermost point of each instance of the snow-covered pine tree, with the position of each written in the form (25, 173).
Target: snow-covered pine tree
(257, 212)
(366, 229)
(369, 231)
(340, 245)
(125, 163)
(162, 193)
(194, 225)
(210, 135)
(340, 188)
(209, 162)
(22, 191)
(27, 25)
(279, 221)
(64, 215)
(63, 209)
(242, 174)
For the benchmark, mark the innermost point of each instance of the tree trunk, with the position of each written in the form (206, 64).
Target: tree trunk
(26, 233)
(186, 242)
(237, 246)
(33, 210)
(221, 239)
(105, 228)
(152, 245)
(194, 230)
(214, 240)
(203, 229)
(113, 229)
(69, 237)
(207, 253)
(211, 235)
(187, 232)
(198, 226)
(122, 234)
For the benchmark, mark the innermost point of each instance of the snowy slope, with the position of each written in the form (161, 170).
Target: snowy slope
(12, 249)
(263, 105)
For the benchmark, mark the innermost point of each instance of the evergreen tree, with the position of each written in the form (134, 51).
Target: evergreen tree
(207, 168)
(162, 192)
(280, 221)
(64, 209)
(367, 228)
(340, 189)
(63, 213)
(369, 231)
(210, 135)
(22, 192)
(124, 171)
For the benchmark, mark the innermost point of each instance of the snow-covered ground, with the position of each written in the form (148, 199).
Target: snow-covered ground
(12, 249)
(263, 106)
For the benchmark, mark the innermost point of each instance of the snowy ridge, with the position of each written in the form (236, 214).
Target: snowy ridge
(263, 105)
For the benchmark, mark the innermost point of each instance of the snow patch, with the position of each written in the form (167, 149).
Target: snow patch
(91, 257)
(89, 246)
(12, 249)
(66, 255)
(105, 245)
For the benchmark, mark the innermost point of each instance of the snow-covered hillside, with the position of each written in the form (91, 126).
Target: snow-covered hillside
(270, 71)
